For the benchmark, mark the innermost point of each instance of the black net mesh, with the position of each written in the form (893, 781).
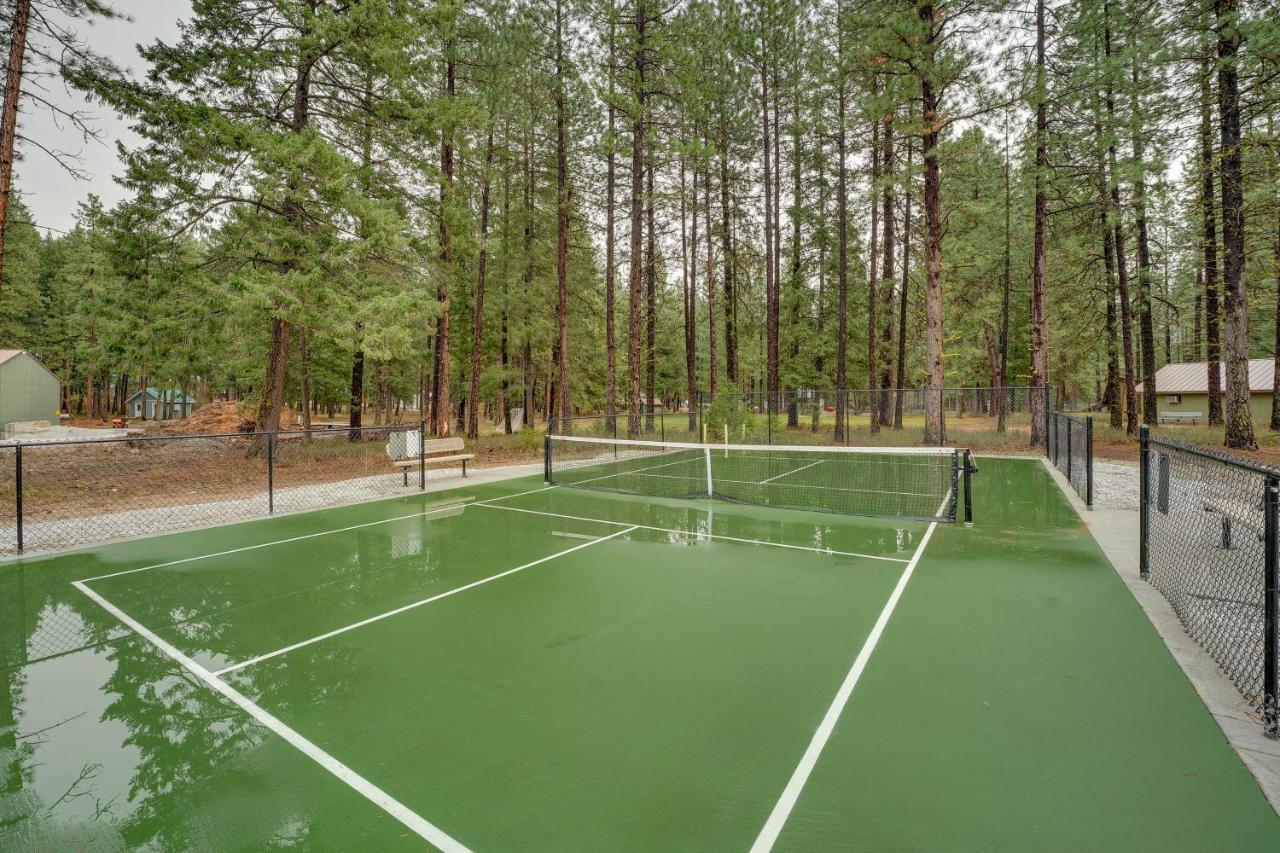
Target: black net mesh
(1206, 548)
(1070, 448)
(916, 483)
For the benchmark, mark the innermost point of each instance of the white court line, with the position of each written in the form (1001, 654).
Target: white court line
(516, 495)
(330, 634)
(419, 825)
(782, 809)
(697, 534)
(431, 511)
(792, 471)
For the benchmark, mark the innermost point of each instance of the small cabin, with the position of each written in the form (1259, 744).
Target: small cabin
(166, 404)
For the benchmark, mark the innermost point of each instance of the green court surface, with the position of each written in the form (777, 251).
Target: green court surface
(513, 667)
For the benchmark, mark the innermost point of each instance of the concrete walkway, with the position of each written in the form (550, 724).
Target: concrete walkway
(1116, 532)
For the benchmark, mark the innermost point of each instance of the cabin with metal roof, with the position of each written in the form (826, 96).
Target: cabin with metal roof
(161, 404)
(29, 392)
(1182, 390)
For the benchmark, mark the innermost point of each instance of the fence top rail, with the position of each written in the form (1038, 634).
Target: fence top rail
(1082, 420)
(1212, 455)
(126, 439)
(918, 388)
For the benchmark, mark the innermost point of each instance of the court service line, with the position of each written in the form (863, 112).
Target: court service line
(782, 809)
(431, 511)
(335, 632)
(792, 471)
(516, 495)
(415, 822)
(697, 534)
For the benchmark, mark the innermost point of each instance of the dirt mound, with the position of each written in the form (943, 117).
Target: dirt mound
(218, 416)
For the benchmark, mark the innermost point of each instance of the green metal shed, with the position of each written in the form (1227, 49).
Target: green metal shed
(28, 391)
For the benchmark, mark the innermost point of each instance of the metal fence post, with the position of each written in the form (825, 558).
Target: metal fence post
(546, 458)
(271, 473)
(1144, 488)
(1088, 461)
(1271, 632)
(1071, 427)
(18, 485)
(968, 487)
(422, 455)
(1046, 412)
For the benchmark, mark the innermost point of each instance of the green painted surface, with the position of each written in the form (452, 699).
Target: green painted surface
(653, 691)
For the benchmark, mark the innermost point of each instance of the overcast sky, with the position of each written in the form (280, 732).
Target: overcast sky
(51, 193)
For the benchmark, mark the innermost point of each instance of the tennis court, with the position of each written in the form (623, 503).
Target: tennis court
(523, 666)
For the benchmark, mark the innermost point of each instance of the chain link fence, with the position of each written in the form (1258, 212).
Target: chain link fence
(855, 416)
(56, 495)
(1208, 543)
(1070, 449)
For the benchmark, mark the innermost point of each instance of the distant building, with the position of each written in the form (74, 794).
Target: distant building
(167, 404)
(28, 391)
(1182, 390)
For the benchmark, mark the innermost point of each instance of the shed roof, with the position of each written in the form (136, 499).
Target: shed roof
(6, 354)
(1192, 377)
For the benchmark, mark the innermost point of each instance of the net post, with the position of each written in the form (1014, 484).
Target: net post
(1144, 494)
(546, 457)
(271, 473)
(1271, 630)
(1088, 462)
(968, 488)
(955, 486)
(706, 451)
(17, 476)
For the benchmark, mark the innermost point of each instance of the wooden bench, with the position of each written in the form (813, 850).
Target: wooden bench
(407, 450)
(1181, 417)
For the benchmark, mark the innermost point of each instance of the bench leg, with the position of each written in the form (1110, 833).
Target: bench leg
(1226, 532)
(405, 471)
(464, 467)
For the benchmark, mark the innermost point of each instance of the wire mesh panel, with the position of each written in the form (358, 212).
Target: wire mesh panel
(333, 466)
(56, 495)
(1209, 545)
(919, 483)
(1070, 448)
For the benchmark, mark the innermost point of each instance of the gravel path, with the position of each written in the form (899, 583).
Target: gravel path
(1115, 484)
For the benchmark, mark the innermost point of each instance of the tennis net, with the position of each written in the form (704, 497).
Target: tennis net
(910, 482)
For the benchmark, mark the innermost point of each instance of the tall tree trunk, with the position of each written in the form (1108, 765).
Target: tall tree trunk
(713, 354)
(610, 283)
(842, 229)
(1209, 243)
(873, 271)
(1239, 422)
(278, 350)
(304, 381)
(934, 429)
(689, 252)
(650, 297)
(820, 315)
(442, 403)
(1145, 320)
(477, 317)
(730, 264)
(1117, 226)
(357, 390)
(888, 249)
(770, 284)
(1003, 404)
(795, 285)
(636, 274)
(901, 378)
(9, 113)
(562, 225)
(1039, 332)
